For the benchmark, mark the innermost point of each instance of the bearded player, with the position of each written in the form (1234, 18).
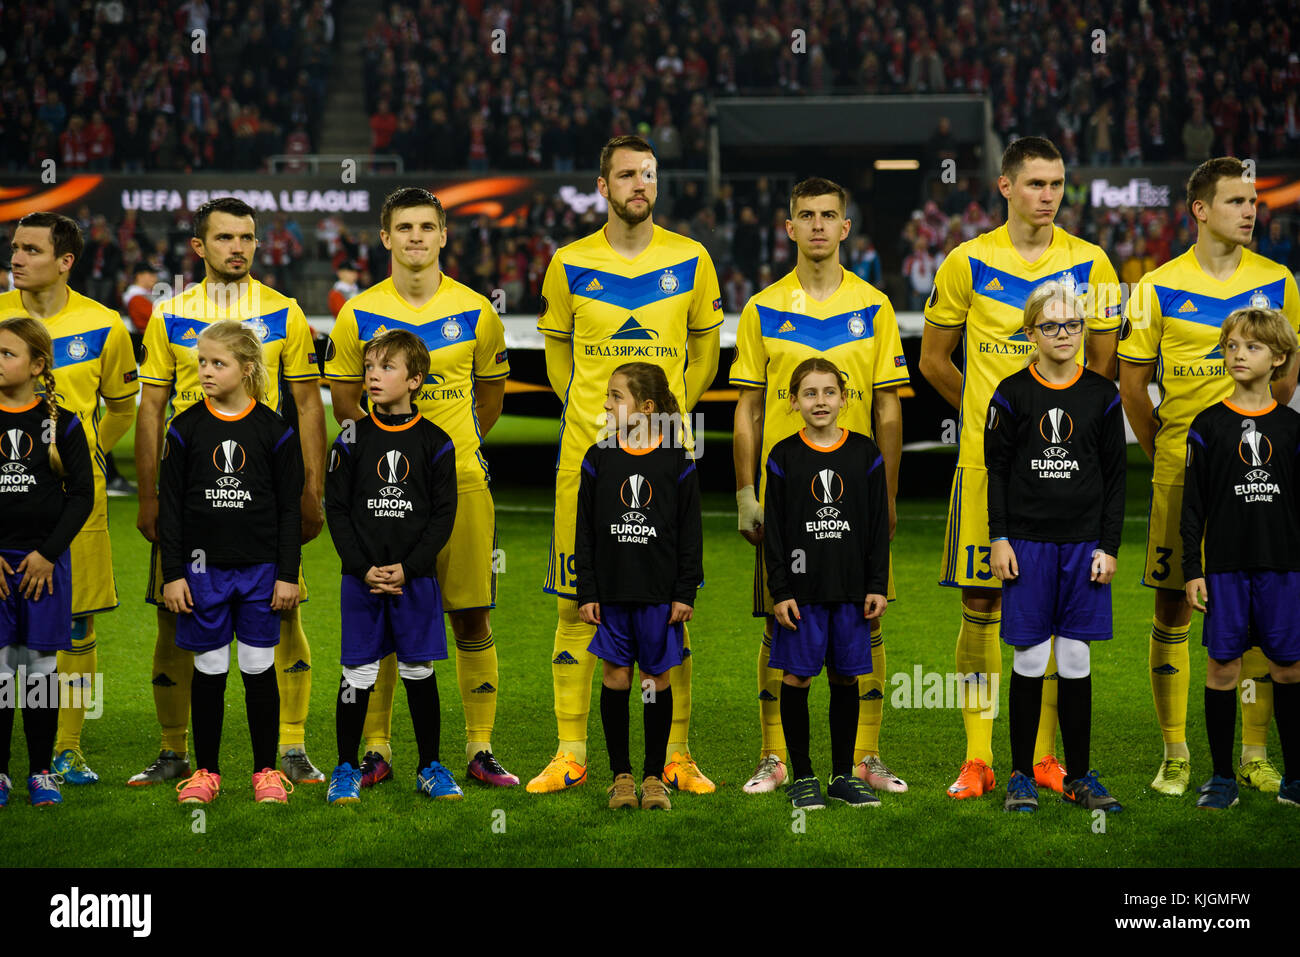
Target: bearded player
(632, 291)
(462, 395)
(978, 303)
(94, 359)
(225, 239)
(1171, 333)
(818, 309)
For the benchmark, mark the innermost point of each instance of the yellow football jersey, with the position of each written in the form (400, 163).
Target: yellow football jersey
(782, 326)
(616, 310)
(466, 340)
(1173, 318)
(983, 285)
(170, 357)
(93, 357)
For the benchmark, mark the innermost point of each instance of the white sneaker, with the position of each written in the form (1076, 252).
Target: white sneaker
(872, 770)
(767, 776)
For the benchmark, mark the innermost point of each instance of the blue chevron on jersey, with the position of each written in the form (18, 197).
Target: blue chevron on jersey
(446, 331)
(1012, 290)
(1211, 310)
(82, 347)
(818, 333)
(631, 292)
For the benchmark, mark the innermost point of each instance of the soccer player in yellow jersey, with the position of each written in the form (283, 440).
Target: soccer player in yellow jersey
(225, 238)
(978, 303)
(93, 359)
(633, 290)
(1171, 332)
(818, 309)
(462, 395)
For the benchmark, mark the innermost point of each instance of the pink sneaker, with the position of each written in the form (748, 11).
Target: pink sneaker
(199, 788)
(268, 787)
(878, 777)
(488, 769)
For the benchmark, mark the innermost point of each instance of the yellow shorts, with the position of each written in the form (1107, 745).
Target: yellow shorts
(471, 580)
(1164, 563)
(966, 549)
(153, 592)
(93, 586)
(562, 573)
(763, 599)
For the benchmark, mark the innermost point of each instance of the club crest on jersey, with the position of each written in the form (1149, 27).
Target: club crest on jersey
(1259, 301)
(827, 486)
(635, 492)
(229, 457)
(77, 348)
(257, 327)
(15, 445)
(451, 330)
(393, 467)
(856, 326)
(1069, 282)
(668, 282)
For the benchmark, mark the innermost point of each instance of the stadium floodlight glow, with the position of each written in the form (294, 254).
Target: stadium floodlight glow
(898, 164)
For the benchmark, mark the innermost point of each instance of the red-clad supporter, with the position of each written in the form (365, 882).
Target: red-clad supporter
(345, 286)
(73, 148)
(382, 127)
(138, 298)
(99, 142)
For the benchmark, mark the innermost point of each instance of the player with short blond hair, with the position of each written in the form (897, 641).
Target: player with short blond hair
(1171, 335)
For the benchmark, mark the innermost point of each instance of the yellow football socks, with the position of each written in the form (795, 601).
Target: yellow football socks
(293, 671)
(572, 667)
(1046, 742)
(378, 730)
(769, 701)
(978, 652)
(476, 674)
(1170, 663)
(173, 670)
(871, 699)
(1256, 705)
(680, 680)
(78, 668)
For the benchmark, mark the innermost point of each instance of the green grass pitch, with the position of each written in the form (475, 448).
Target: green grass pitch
(110, 824)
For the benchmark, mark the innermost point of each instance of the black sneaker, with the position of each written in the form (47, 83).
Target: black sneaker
(1087, 792)
(852, 792)
(1022, 794)
(168, 766)
(806, 794)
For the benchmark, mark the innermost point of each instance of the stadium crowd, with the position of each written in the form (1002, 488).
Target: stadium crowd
(743, 228)
(103, 85)
(125, 87)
